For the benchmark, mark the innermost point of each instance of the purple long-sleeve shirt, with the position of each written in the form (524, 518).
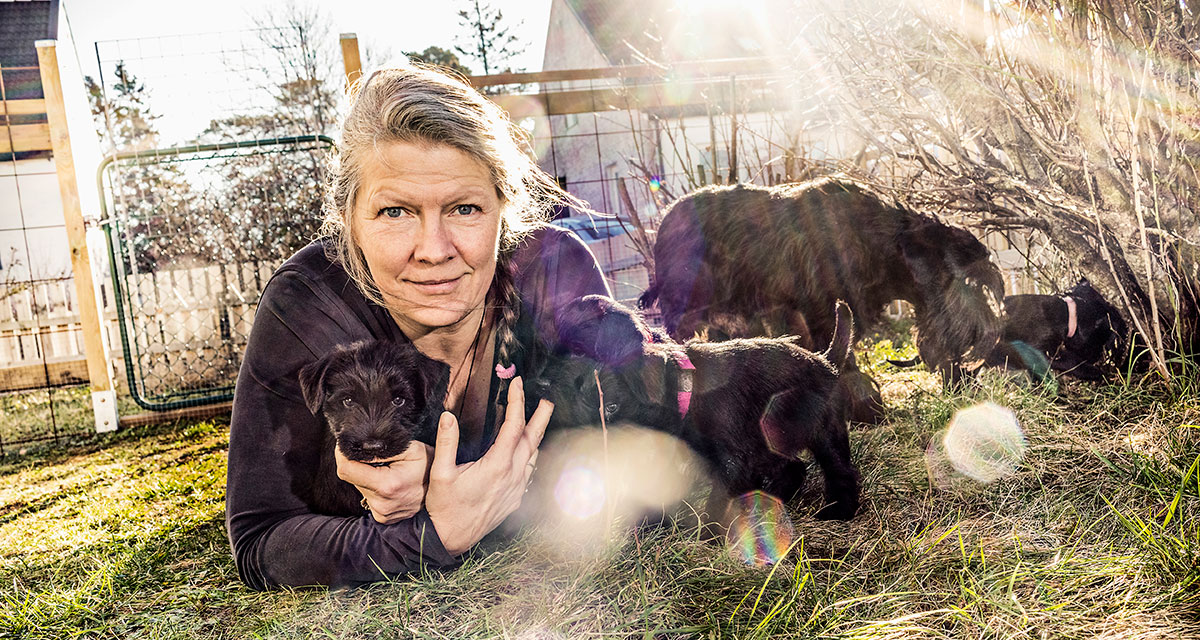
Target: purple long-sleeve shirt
(307, 308)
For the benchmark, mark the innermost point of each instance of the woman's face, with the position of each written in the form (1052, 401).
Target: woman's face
(427, 219)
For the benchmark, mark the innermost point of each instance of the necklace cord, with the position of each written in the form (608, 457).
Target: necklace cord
(471, 355)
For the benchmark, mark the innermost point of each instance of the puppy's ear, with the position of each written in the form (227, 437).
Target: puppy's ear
(312, 383)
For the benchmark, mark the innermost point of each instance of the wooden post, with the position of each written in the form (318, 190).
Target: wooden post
(350, 58)
(104, 395)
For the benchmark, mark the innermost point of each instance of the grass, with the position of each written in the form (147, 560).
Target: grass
(1095, 535)
(32, 419)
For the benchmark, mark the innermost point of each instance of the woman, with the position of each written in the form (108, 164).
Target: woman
(434, 234)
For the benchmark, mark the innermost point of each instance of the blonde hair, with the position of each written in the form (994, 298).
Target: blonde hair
(417, 104)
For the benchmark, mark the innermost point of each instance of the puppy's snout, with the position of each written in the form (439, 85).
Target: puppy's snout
(370, 446)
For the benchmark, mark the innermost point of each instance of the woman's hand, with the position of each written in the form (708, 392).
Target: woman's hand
(465, 502)
(395, 492)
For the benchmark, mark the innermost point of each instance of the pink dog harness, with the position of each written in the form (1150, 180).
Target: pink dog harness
(685, 385)
(1072, 318)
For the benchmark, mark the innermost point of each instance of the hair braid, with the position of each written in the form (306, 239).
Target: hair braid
(508, 302)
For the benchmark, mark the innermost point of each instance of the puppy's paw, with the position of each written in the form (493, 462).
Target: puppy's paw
(843, 510)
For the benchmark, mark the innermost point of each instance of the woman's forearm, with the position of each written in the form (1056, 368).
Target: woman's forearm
(311, 550)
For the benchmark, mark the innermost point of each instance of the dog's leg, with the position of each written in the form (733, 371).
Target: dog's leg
(832, 453)
(861, 393)
(719, 511)
(789, 427)
(787, 480)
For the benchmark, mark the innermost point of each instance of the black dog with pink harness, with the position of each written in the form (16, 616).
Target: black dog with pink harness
(1076, 331)
(747, 407)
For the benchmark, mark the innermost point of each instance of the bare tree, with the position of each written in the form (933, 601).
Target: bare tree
(304, 72)
(1071, 120)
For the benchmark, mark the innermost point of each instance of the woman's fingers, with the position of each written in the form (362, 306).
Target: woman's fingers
(445, 453)
(360, 474)
(527, 446)
(392, 510)
(393, 492)
(514, 420)
(536, 427)
(530, 467)
(383, 480)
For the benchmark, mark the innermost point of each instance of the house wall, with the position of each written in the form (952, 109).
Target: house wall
(590, 150)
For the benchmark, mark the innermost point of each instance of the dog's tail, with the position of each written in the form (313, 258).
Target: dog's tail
(843, 335)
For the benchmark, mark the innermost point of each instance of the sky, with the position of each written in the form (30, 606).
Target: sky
(409, 25)
(162, 29)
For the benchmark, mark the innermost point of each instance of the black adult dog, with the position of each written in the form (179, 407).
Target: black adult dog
(748, 407)
(1074, 332)
(778, 259)
(376, 396)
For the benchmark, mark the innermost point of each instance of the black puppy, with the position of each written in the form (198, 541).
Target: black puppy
(747, 407)
(1074, 331)
(376, 397)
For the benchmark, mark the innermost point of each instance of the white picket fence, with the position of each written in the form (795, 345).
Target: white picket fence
(180, 317)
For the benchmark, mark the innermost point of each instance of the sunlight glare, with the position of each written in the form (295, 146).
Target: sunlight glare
(984, 442)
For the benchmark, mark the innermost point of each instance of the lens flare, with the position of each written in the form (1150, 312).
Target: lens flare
(773, 423)
(589, 492)
(984, 442)
(580, 490)
(761, 532)
(655, 184)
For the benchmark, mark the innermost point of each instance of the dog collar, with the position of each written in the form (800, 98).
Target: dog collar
(1072, 317)
(685, 384)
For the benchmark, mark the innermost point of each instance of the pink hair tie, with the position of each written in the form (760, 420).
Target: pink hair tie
(506, 373)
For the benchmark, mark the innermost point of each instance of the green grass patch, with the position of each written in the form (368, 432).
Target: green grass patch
(1095, 534)
(41, 418)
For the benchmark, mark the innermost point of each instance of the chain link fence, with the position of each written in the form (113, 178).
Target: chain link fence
(194, 235)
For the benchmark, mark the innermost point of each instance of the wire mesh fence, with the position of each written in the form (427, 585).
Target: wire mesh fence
(40, 372)
(196, 229)
(191, 258)
(163, 91)
(195, 232)
(631, 140)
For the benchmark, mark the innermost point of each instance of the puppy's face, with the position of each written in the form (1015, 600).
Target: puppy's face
(603, 366)
(584, 391)
(376, 397)
(570, 383)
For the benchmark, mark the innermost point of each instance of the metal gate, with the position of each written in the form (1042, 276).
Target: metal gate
(194, 234)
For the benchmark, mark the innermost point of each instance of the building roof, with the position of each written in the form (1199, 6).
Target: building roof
(22, 23)
(639, 31)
